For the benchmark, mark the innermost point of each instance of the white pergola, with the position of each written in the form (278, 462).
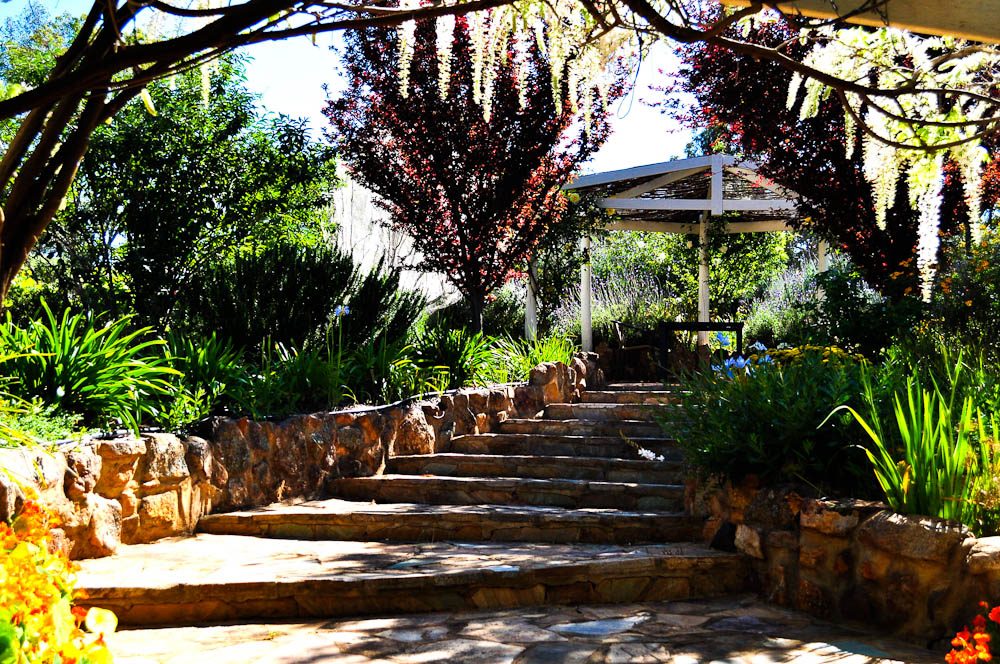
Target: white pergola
(681, 196)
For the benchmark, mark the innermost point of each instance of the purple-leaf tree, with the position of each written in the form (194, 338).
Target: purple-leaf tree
(476, 186)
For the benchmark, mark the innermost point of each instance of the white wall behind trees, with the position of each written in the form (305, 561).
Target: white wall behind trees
(361, 229)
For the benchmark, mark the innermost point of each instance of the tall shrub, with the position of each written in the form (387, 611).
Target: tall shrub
(287, 295)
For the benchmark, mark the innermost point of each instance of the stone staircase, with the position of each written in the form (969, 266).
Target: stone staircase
(557, 510)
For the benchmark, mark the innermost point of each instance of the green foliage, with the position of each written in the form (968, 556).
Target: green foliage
(212, 379)
(634, 298)
(503, 314)
(803, 306)
(159, 200)
(767, 423)
(105, 373)
(38, 422)
(383, 372)
(31, 42)
(740, 265)
(514, 359)
(947, 461)
(291, 380)
(29, 46)
(287, 295)
(468, 355)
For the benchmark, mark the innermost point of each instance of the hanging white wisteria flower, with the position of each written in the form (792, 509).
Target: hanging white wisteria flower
(406, 35)
(926, 106)
(579, 53)
(445, 34)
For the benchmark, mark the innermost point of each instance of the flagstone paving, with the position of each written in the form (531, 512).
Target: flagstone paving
(225, 577)
(739, 630)
(501, 550)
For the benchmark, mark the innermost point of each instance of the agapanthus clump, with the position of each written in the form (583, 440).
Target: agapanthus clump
(38, 623)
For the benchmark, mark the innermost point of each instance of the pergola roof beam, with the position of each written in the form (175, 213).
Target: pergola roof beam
(763, 226)
(758, 180)
(699, 163)
(695, 204)
(656, 183)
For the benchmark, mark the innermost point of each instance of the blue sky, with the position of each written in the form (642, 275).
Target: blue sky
(290, 74)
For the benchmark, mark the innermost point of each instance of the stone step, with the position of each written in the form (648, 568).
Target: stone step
(630, 397)
(581, 446)
(603, 411)
(408, 522)
(639, 387)
(572, 494)
(219, 578)
(629, 428)
(545, 467)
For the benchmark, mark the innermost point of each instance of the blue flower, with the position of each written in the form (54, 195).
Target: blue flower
(341, 310)
(758, 346)
(738, 362)
(767, 359)
(722, 339)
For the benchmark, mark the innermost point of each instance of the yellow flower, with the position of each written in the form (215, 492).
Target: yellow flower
(36, 587)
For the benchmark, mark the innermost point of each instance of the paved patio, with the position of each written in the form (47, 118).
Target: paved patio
(735, 630)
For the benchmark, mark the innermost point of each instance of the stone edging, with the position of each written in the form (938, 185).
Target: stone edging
(139, 489)
(917, 577)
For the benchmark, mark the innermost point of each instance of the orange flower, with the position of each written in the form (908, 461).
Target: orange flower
(37, 592)
(994, 614)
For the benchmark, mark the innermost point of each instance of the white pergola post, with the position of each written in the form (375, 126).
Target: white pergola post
(586, 317)
(821, 260)
(531, 305)
(703, 277)
(663, 198)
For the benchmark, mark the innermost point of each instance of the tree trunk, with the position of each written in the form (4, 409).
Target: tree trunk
(476, 305)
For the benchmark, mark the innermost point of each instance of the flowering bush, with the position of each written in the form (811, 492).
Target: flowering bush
(835, 307)
(969, 647)
(966, 303)
(758, 417)
(787, 356)
(38, 623)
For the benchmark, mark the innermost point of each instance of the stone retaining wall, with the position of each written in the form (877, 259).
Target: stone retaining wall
(139, 489)
(917, 577)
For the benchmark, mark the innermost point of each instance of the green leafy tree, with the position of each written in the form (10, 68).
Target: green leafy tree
(29, 45)
(161, 198)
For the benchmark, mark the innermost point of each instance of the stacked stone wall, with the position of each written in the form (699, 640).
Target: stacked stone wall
(916, 577)
(137, 489)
